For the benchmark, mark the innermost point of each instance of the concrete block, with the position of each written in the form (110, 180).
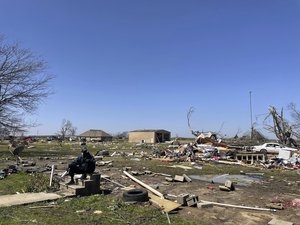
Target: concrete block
(179, 178)
(80, 191)
(192, 200)
(181, 199)
(204, 205)
(96, 178)
(229, 184)
(134, 173)
(223, 188)
(187, 178)
(170, 179)
(96, 183)
(148, 172)
(89, 187)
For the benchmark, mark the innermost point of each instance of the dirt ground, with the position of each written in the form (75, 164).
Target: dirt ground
(255, 195)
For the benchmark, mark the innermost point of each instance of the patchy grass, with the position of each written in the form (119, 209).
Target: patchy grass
(111, 209)
(24, 182)
(14, 183)
(82, 210)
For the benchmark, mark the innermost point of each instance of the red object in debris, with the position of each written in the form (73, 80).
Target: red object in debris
(293, 203)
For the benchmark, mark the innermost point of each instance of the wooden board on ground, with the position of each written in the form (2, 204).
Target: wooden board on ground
(164, 204)
(26, 198)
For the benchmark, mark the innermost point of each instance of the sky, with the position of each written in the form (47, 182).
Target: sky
(136, 64)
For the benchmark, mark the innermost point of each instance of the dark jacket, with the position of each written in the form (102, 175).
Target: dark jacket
(85, 163)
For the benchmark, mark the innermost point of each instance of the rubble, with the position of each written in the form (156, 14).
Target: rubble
(192, 158)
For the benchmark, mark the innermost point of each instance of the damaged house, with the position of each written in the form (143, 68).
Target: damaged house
(149, 136)
(96, 136)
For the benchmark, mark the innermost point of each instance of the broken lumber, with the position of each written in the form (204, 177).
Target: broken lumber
(239, 206)
(165, 204)
(144, 185)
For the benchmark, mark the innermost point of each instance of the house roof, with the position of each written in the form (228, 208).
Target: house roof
(159, 130)
(95, 133)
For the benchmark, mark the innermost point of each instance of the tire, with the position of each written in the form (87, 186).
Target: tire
(263, 151)
(136, 195)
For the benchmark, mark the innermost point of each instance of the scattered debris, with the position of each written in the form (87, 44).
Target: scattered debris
(203, 205)
(239, 206)
(182, 199)
(144, 185)
(275, 206)
(164, 204)
(192, 200)
(187, 178)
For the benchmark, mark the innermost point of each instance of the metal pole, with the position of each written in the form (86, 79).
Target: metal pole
(251, 135)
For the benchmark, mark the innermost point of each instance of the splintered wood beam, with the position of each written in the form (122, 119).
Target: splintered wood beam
(144, 185)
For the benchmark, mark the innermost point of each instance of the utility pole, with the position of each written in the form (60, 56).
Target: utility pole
(251, 125)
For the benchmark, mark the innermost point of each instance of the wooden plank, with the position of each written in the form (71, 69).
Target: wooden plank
(144, 185)
(51, 175)
(239, 206)
(164, 204)
(26, 198)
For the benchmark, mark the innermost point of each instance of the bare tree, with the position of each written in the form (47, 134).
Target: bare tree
(295, 114)
(67, 129)
(23, 84)
(188, 116)
(282, 129)
(121, 135)
(201, 136)
(72, 131)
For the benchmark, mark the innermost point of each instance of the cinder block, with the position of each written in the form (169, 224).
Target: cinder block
(89, 187)
(229, 184)
(181, 199)
(192, 200)
(223, 188)
(80, 192)
(96, 185)
(179, 178)
(170, 179)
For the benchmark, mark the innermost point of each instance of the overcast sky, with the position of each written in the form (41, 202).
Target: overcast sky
(136, 64)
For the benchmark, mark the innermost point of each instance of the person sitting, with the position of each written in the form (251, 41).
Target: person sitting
(83, 164)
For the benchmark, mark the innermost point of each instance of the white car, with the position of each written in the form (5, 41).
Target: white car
(271, 148)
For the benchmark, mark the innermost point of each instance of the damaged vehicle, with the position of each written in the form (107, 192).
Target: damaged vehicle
(271, 148)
